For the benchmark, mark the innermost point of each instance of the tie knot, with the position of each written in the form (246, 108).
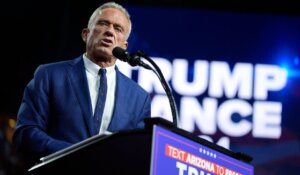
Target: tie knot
(102, 72)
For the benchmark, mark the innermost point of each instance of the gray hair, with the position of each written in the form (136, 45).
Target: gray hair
(111, 5)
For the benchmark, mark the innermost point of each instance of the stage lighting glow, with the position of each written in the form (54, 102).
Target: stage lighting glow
(292, 72)
(296, 61)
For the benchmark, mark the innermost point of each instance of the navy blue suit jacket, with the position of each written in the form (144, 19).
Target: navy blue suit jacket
(56, 109)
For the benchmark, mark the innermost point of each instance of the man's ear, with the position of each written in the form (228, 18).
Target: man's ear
(84, 34)
(125, 45)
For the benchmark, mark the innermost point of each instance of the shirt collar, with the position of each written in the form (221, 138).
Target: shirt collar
(93, 68)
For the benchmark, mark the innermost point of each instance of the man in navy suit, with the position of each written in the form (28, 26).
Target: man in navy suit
(58, 105)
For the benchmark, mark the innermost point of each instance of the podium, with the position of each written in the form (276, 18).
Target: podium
(159, 149)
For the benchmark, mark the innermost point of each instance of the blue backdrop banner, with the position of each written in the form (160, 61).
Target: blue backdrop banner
(235, 78)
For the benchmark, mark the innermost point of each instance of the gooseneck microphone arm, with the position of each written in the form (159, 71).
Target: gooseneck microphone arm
(165, 86)
(134, 60)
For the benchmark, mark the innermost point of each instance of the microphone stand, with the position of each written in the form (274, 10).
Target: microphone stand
(164, 83)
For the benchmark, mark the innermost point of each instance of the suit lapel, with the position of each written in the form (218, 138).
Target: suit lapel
(80, 85)
(120, 102)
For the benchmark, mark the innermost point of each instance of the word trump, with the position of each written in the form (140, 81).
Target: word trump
(212, 96)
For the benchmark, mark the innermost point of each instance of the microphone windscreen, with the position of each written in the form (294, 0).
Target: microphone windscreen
(120, 53)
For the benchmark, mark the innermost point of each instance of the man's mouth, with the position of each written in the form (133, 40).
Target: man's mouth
(106, 41)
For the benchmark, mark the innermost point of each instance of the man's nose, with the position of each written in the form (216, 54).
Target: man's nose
(109, 30)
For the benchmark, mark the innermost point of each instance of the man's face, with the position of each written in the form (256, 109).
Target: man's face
(108, 30)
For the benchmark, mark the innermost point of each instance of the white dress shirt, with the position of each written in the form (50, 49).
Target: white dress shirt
(93, 78)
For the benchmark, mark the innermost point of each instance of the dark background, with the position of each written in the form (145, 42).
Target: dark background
(37, 32)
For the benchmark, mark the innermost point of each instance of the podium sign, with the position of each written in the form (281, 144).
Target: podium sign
(174, 154)
(159, 149)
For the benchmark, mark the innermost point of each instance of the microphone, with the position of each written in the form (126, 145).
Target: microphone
(132, 59)
(121, 53)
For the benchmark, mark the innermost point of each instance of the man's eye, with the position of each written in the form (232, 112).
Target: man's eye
(102, 23)
(119, 29)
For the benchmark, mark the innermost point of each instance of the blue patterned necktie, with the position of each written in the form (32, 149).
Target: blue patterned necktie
(100, 101)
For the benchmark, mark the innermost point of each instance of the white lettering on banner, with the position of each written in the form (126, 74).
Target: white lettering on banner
(269, 125)
(204, 117)
(234, 103)
(223, 81)
(192, 171)
(201, 163)
(225, 122)
(160, 106)
(266, 117)
(182, 168)
(268, 78)
(150, 82)
(200, 80)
